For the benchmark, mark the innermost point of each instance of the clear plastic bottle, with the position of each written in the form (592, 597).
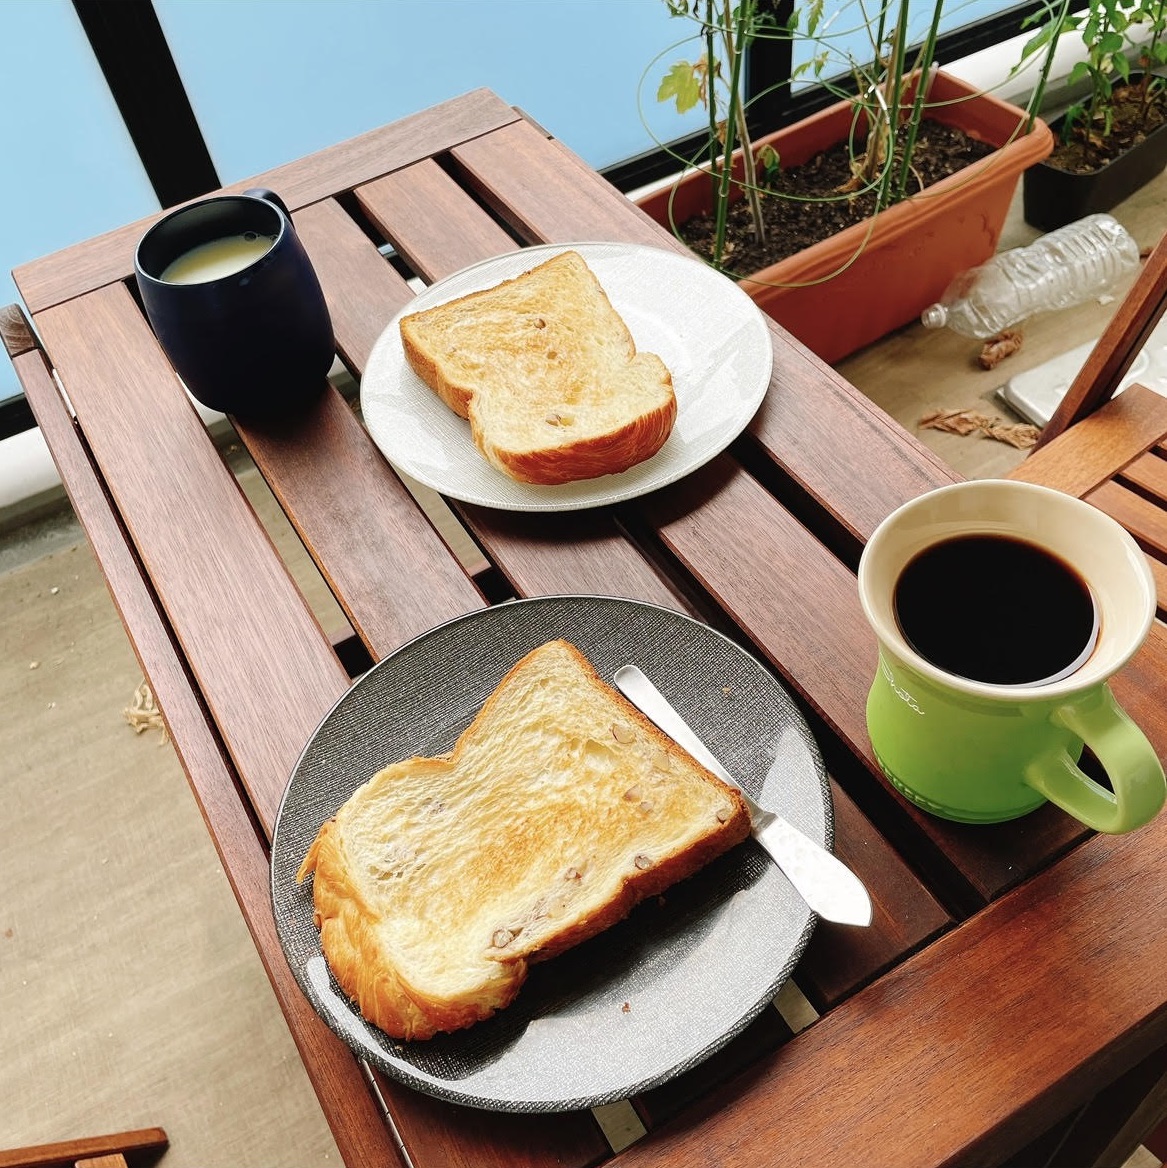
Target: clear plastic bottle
(1071, 265)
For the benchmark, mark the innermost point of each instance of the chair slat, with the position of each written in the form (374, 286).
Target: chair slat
(1144, 519)
(1116, 349)
(1149, 475)
(1099, 446)
(67, 1152)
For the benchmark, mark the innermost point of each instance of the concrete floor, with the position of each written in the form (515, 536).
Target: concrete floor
(130, 993)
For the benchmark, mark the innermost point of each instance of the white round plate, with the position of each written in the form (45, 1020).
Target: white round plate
(710, 334)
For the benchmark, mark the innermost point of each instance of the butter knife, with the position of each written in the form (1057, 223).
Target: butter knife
(827, 885)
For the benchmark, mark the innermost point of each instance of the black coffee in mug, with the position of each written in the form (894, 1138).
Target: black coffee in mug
(996, 609)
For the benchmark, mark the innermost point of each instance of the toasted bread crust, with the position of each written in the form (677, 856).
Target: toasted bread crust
(639, 407)
(351, 907)
(457, 397)
(383, 996)
(613, 453)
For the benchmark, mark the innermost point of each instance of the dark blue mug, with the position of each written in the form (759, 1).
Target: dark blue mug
(234, 301)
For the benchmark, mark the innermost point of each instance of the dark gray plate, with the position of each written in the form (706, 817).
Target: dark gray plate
(657, 993)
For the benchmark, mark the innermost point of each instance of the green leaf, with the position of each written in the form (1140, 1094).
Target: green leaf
(1043, 38)
(1079, 72)
(1072, 117)
(814, 14)
(1112, 42)
(770, 163)
(681, 85)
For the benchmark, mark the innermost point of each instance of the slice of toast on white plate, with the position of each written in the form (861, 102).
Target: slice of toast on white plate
(559, 808)
(547, 373)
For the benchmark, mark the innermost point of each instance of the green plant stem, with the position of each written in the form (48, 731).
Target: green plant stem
(711, 102)
(923, 84)
(1037, 98)
(735, 42)
(735, 131)
(885, 124)
(1149, 55)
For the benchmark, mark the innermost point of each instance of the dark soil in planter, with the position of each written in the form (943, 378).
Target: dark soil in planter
(793, 224)
(1132, 123)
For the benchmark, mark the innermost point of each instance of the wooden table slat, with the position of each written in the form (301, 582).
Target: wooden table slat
(384, 562)
(960, 1016)
(110, 257)
(813, 426)
(841, 959)
(795, 599)
(763, 1036)
(356, 1122)
(388, 567)
(522, 176)
(850, 457)
(362, 290)
(441, 1135)
(577, 553)
(423, 203)
(258, 665)
(430, 1128)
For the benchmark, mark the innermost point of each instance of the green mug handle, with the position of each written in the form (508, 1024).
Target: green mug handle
(1127, 757)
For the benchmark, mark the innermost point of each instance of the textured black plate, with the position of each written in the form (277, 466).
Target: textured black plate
(650, 997)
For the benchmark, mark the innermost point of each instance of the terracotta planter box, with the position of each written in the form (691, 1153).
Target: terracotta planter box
(904, 258)
(1055, 197)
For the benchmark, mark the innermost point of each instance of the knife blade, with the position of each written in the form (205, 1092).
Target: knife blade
(827, 885)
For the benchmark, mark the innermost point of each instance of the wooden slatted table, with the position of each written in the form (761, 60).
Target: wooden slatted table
(1010, 971)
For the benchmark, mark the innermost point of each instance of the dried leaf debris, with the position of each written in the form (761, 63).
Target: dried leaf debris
(1020, 435)
(997, 348)
(143, 713)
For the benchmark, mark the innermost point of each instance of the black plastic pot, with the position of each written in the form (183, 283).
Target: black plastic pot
(1053, 197)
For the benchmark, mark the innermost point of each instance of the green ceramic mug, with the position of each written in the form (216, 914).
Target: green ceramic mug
(983, 752)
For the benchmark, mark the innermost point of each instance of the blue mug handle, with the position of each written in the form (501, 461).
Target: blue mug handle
(269, 197)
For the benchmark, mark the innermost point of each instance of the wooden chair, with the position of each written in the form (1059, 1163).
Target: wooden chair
(120, 1150)
(1111, 450)
(1117, 348)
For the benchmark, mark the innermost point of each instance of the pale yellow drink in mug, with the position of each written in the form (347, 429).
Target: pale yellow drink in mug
(217, 258)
